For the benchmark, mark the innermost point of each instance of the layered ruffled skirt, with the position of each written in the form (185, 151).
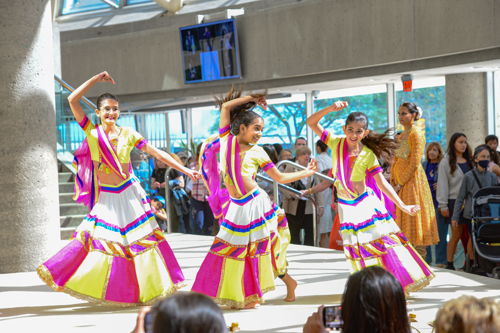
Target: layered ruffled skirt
(371, 237)
(118, 254)
(247, 254)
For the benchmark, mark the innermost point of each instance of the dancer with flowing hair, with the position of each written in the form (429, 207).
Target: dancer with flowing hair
(249, 250)
(118, 254)
(369, 234)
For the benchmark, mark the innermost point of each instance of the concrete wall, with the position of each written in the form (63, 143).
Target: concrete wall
(466, 106)
(285, 42)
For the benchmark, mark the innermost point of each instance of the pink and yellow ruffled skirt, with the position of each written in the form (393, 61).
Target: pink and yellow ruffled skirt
(247, 254)
(118, 254)
(371, 237)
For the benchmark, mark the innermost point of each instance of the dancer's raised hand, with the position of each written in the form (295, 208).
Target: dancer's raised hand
(105, 77)
(338, 105)
(260, 100)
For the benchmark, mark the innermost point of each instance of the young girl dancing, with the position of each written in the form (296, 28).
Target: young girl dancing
(249, 250)
(118, 254)
(369, 234)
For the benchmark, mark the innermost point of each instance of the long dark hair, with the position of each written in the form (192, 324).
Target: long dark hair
(452, 154)
(241, 114)
(412, 108)
(374, 302)
(188, 312)
(382, 144)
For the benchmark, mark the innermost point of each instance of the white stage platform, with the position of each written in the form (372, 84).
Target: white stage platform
(27, 304)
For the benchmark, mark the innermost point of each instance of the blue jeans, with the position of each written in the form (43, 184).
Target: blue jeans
(443, 243)
(203, 219)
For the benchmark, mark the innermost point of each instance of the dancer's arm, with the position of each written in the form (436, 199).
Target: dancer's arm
(75, 97)
(389, 191)
(320, 187)
(169, 160)
(225, 115)
(289, 177)
(313, 120)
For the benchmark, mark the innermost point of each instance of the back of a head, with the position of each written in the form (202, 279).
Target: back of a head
(374, 302)
(468, 314)
(188, 313)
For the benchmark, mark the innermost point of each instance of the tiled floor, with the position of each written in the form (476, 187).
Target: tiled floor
(26, 303)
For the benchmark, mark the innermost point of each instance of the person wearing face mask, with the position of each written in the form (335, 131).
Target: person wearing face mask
(473, 181)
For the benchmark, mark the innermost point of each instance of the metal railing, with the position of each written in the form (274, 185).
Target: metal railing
(309, 197)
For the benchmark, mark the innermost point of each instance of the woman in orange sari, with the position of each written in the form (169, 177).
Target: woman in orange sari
(410, 182)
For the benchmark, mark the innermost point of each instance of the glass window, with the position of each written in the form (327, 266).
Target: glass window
(134, 2)
(205, 123)
(80, 6)
(371, 100)
(430, 95)
(284, 121)
(177, 131)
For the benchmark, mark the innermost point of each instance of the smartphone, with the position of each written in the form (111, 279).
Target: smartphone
(332, 317)
(148, 322)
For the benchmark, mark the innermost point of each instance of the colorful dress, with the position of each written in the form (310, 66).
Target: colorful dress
(249, 250)
(407, 172)
(118, 254)
(369, 234)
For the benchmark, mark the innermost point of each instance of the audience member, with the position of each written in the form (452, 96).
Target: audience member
(325, 222)
(278, 147)
(434, 155)
(180, 199)
(158, 208)
(451, 171)
(473, 181)
(183, 312)
(299, 143)
(299, 211)
(373, 302)
(143, 171)
(468, 314)
(492, 142)
(158, 177)
(203, 218)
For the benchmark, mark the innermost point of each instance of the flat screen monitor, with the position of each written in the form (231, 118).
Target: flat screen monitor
(210, 51)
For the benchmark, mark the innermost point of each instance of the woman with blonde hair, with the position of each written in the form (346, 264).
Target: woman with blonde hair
(467, 314)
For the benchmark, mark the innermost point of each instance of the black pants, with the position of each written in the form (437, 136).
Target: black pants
(301, 221)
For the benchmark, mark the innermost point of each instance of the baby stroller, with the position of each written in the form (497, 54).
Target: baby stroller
(486, 230)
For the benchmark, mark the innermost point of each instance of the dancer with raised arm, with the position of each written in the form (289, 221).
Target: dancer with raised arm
(249, 250)
(118, 254)
(369, 234)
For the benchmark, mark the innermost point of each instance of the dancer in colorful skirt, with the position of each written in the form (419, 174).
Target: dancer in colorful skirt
(118, 254)
(249, 250)
(369, 234)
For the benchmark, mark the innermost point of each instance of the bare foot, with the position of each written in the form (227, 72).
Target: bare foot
(252, 305)
(291, 285)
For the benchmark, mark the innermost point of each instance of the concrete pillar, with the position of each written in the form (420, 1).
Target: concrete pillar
(466, 106)
(29, 204)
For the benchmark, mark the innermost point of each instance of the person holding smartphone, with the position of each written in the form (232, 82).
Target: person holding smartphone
(373, 301)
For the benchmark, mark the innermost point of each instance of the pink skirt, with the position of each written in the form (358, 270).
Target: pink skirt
(371, 237)
(118, 254)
